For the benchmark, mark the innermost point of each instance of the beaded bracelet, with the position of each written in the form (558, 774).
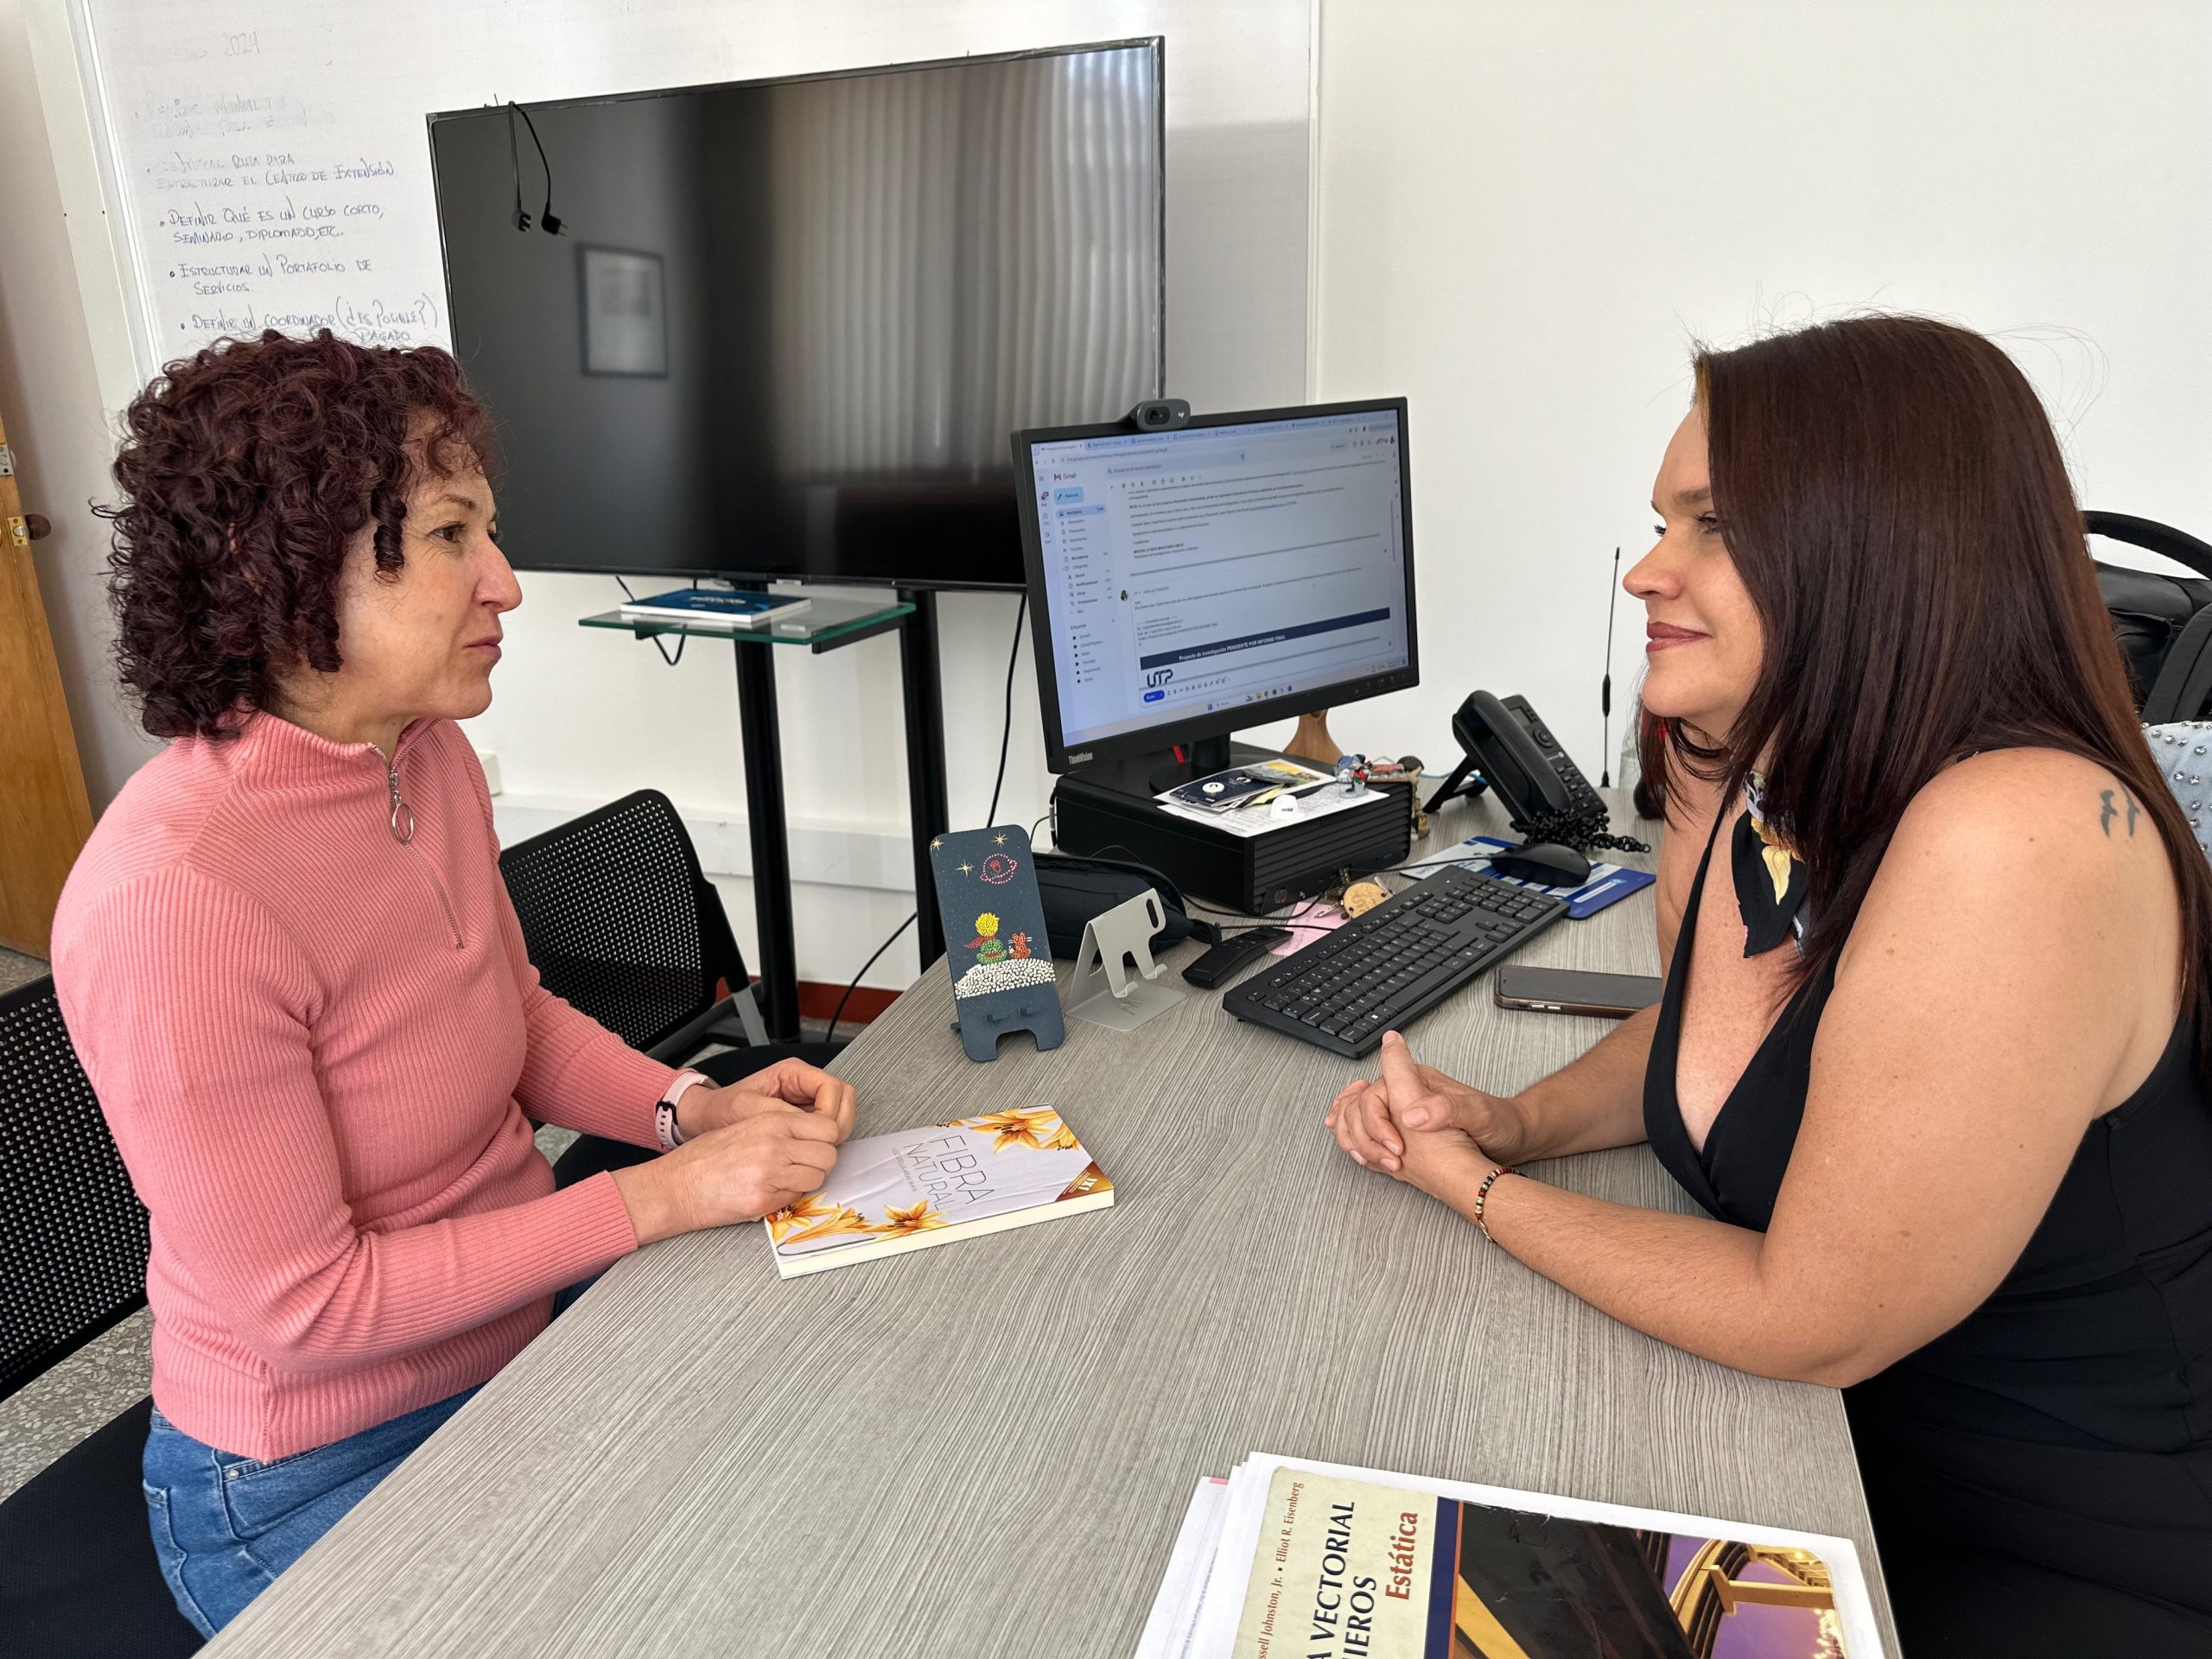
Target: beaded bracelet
(1482, 1196)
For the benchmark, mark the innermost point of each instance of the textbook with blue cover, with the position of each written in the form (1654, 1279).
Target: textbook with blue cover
(719, 607)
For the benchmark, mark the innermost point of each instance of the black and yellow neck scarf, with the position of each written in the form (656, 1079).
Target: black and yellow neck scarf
(1770, 879)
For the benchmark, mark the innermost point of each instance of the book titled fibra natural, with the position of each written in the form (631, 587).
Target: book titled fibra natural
(891, 1194)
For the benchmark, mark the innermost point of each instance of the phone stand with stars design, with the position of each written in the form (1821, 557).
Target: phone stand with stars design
(995, 941)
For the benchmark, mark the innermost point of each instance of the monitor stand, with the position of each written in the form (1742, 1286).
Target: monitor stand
(1200, 760)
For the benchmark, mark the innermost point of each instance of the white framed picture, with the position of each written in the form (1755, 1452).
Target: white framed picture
(624, 312)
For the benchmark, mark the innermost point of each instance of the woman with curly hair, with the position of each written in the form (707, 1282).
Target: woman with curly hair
(294, 977)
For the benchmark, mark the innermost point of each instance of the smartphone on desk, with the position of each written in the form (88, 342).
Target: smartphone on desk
(1561, 990)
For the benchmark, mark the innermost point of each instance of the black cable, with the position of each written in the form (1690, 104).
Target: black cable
(1228, 925)
(865, 966)
(546, 222)
(1581, 829)
(1606, 686)
(1005, 730)
(1006, 738)
(1244, 916)
(519, 220)
(680, 639)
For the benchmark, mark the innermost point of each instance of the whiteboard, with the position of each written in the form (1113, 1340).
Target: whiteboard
(268, 164)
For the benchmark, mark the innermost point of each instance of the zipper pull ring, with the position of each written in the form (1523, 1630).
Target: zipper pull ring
(402, 814)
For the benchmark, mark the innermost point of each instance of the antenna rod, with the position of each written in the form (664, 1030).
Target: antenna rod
(1605, 685)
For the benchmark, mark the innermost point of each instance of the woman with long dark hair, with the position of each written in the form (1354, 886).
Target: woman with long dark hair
(1938, 1010)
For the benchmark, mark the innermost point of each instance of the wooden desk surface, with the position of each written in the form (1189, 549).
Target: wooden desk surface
(985, 1449)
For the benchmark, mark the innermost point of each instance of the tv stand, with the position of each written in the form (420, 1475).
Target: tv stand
(827, 624)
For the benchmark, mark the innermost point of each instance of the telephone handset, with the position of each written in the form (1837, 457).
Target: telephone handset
(1509, 748)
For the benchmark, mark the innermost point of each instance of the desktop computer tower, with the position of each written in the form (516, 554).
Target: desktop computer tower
(1107, 810)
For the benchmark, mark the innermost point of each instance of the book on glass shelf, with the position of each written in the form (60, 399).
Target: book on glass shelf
(1325, 1561)
(720, 607)
(892, 1194)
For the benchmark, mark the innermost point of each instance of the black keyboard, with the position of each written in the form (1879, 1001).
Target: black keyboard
(1394, 963)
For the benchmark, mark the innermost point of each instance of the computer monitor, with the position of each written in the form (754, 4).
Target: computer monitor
(1237, 569)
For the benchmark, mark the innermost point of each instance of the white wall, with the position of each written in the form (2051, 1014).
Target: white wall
(49, 394)
(1528, 212)
(581, 717)
(1524, 214)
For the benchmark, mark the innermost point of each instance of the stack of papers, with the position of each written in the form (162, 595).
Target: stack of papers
(1293, 1559)
(1245, 820)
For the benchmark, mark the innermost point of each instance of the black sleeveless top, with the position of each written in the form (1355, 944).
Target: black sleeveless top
(2040, 1475)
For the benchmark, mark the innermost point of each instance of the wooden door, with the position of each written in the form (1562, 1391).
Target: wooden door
(44, 814)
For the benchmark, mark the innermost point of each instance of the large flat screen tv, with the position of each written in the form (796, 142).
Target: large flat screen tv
(787, 326)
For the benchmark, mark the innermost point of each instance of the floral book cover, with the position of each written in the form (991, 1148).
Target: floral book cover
(1347, 1569)
(926, 1186)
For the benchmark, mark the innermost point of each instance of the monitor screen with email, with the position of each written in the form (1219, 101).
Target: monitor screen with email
(1214, 577)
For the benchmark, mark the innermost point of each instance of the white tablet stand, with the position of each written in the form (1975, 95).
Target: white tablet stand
(1103, 990)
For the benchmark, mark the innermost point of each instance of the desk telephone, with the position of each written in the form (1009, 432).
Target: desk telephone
(1509, 748)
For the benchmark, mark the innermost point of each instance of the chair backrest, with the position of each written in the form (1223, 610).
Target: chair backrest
(72, 1233)
(619, 919)
(2160, 620)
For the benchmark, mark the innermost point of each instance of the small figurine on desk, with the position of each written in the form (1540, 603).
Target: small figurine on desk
(998, 986)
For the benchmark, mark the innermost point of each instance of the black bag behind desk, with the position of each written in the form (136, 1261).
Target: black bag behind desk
(1076, 890)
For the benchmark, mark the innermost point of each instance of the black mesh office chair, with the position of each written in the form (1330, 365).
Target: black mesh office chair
(77, 1568)
(2163, 622)
(622, 924)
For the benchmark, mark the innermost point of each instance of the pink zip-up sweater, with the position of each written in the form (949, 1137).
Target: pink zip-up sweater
(315, 1045)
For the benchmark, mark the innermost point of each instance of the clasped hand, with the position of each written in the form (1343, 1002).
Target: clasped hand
(1417, 1124)
(748, 1150)
(788, 1083)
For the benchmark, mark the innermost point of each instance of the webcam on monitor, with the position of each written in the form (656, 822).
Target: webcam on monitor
(1159, 415)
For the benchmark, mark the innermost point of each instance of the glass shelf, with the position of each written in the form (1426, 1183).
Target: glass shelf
(825, 624)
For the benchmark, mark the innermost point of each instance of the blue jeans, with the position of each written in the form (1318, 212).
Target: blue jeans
(226, 1526)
